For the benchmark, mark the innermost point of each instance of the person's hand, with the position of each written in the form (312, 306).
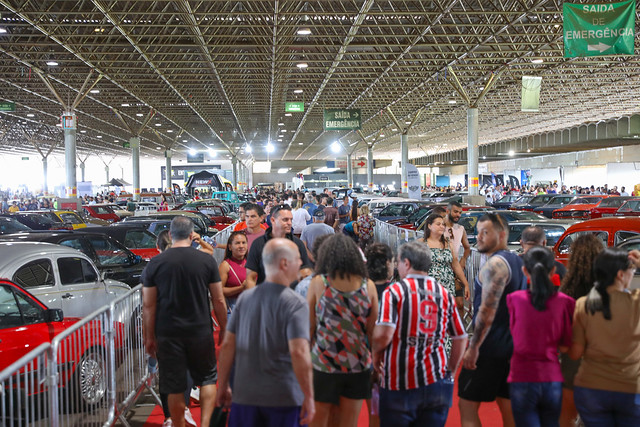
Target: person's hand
(223, 398)
(196, 237)
(308, 411)
(634, 257)
(151, 346)
(470, 358)
(467, 293)
(378, 363)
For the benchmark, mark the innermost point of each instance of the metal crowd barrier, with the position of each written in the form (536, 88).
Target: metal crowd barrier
(221, 238)
(90, 374)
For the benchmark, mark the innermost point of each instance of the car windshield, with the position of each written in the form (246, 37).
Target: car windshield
(543, 198)
(508, 199)
(70, 218)
(41, 220)
(586, 201)
(522, 216)
(630, 206)
(552, 233)
(612, 202)
(10, 225)
(560, 200)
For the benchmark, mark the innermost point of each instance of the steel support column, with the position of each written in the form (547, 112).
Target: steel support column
(167, 155)
(82, 171)
(106, 171)
(472, 151)
(134, 142)
(69, 130)
(404, 148)
(370, 168)
(349, 172)
(45, 184)
(234, 164)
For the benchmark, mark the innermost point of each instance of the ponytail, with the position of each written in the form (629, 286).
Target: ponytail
(539, 262)
(605, 270)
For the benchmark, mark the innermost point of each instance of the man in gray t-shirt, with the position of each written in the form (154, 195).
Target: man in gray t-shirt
(268, 337)
(312, 231)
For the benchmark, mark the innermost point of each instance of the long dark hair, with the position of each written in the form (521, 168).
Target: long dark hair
(377, 256)
(605, 270)
(539, 262)
(227, 252)
(430, 220)
(579, 278)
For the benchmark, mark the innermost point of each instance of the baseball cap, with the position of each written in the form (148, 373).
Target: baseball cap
(319, 213)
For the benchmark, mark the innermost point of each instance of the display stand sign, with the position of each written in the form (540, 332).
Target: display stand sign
(413, 182)
(599, 29)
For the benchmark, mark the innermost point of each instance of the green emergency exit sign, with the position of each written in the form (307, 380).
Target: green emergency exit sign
(7, 106)
(294, 107)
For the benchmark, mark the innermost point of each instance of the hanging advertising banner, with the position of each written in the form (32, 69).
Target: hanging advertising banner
(413, 182)
(599, 29)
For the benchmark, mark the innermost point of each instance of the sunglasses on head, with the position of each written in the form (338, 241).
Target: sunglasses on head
(280, 207)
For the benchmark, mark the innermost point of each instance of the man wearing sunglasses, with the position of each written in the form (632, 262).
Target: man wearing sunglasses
(281, 218)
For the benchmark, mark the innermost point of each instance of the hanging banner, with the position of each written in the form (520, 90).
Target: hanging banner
(413, 182)
(599, 29)
(531, 94)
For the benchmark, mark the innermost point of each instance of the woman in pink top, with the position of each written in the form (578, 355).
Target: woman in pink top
(540, 322)
(233, 273)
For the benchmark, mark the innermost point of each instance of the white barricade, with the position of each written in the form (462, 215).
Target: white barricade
(221, 238)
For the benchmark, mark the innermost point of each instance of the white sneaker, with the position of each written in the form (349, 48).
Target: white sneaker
(195, 394)
(188, 418)
(167, 423)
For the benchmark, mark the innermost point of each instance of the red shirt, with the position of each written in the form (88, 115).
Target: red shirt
(422, 313)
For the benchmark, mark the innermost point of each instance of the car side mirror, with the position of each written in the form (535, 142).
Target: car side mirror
(53, 315)
(136, 259)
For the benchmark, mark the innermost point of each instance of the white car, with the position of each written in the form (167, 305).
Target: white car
(58, 276)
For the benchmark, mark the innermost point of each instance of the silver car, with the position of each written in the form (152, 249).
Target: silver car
(58, 276)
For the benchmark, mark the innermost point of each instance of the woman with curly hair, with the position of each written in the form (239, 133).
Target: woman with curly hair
(577, 283)
(343, 307)
(380, 266)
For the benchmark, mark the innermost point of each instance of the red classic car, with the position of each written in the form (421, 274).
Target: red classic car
(580, 208)
(609, 207)
(215, 213)
(610, 230)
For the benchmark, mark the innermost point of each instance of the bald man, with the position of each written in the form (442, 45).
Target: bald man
(273, 377)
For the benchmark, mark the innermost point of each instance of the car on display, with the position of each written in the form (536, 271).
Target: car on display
(133, 236)
(59, 276)
(37, 221)
(629, 208)
(506, 201)
(580, 208)
(469, 220)
(415, 222)
(200, 225)
(172, 199)
(113, 260)
(101, 211)
(439, 196)
(609, 206)
(216, 214)
(376, 205)
(537, 201)
(632, 243)
(70, 218)
(25, 323)
(553, 230)
(227, 196)
(400, 210)
(611, 231)
(11, 225)
(154, 226)
(556, 202)
(522, 201)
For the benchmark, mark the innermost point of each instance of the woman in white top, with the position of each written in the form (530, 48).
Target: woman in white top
(300, 218)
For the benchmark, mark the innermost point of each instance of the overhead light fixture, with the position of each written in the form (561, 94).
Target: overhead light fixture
(393, 129)
(31, 115)
(300, 65)
(283, 170)
(140, 115)
(511, 153)
(298, 91)
(283, 130)
(83, 131)
(98, 30)
(299, 143)
(125, 105)
(335, 147)
(169, 130)
(248, 149)
(280, 124)
(3, 30)
(192, 152)
(52, 63)
(484, 157)
(287, 114)
(382, 135)
(158, 148)
(212, 153)
(537, 61)
(325, 169)
(99, 136)
(304, 31)
(270, 148)
(184, 140)
(94, 91)
(407, 122)
(452, 101)
(528, 150)
(158, 124)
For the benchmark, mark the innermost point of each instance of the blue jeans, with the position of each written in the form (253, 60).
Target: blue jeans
(536, 404)
(424, 406)
(607, 408)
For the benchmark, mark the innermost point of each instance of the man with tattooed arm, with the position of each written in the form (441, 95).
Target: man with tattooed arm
(483, 377)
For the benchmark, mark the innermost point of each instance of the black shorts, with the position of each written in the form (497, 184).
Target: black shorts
(328, 388)
(487, 382)
(176, 355)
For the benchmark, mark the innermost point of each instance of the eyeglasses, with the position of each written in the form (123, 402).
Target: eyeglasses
(280, 207)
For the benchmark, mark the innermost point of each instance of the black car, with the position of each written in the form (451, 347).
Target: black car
(37, 221)
(539, 200)
(111, 257)
(154, 226)
(508, 200)
(556, 202)
(133, 236)
(469, 220)
(11, 225)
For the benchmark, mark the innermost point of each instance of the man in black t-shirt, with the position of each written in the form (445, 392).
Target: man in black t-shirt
(178, 285)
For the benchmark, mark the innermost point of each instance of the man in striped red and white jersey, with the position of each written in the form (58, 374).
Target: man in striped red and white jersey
(415, 316)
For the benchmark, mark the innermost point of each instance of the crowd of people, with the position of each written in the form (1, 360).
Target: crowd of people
(322, 319)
